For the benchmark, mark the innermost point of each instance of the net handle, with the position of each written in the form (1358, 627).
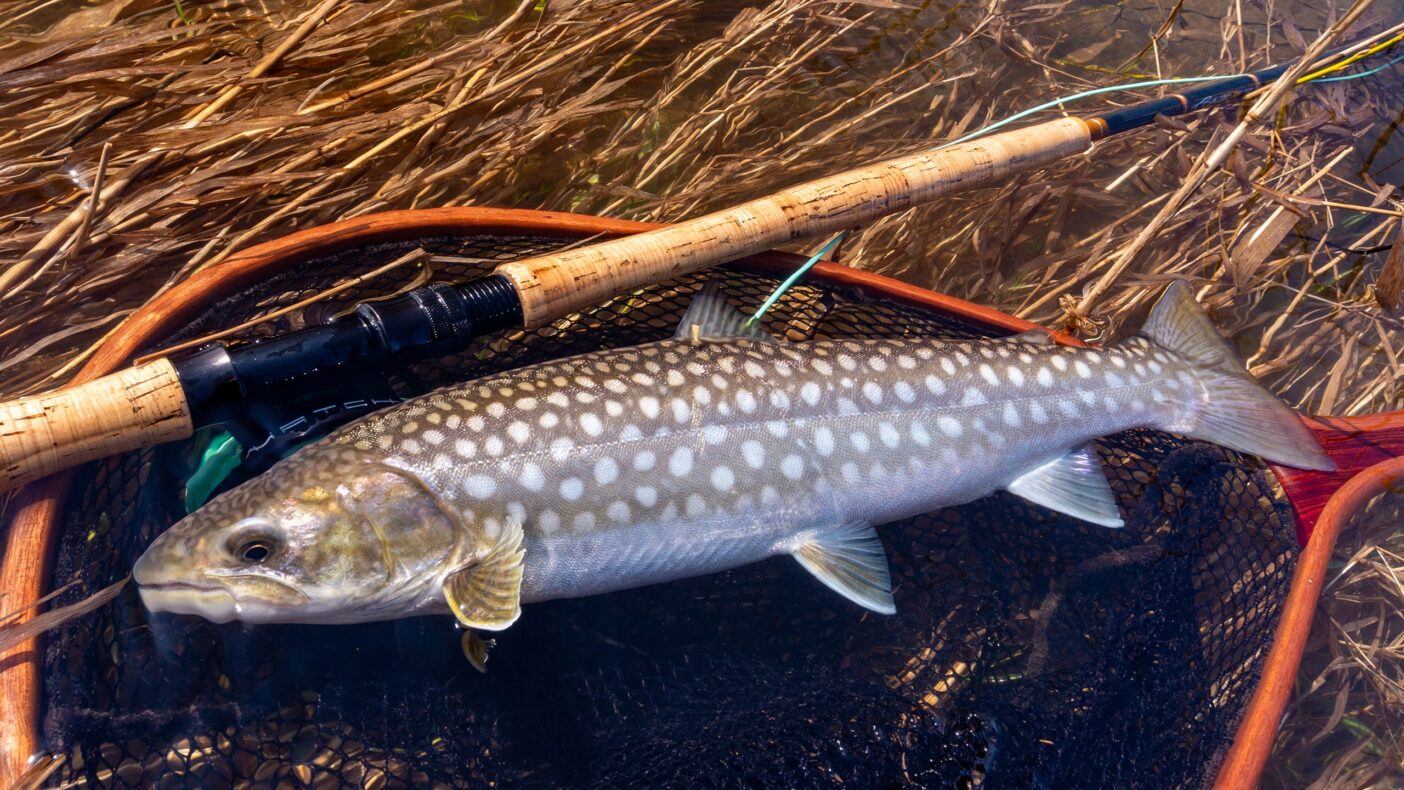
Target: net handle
(550, 286)
(1252, 744)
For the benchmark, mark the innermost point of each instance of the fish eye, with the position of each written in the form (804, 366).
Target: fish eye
(257, 542)
(256, 550)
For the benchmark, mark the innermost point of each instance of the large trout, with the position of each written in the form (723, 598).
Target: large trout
(715, 449)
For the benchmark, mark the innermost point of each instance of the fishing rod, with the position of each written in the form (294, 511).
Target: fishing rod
(271, 394)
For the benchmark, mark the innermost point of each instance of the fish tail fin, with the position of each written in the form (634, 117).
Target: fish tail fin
(1239, 413)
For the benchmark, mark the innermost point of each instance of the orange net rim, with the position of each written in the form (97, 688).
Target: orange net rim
(32, 533)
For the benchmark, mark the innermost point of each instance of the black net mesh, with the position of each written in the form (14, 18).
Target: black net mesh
(1028, 648)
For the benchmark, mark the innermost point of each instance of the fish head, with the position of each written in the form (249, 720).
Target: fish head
(319, 538)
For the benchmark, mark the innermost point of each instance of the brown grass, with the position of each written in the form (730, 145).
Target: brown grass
(141, 142)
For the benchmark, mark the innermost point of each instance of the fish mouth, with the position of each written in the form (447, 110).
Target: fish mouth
(212, 603)
(219, 604)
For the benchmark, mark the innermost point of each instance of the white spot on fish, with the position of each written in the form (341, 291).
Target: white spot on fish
(723, 478)
(1112, 379)
(779, 400)
(859, 440)
(409, 427)
(948, 366)
(649, 406)
(465, 448)
(1083, 371)
(453, 422)
(753, 453)
(531, 477)
(410, 446)
(987, 373)
(935, 385)
(560, 448)
(847, 408)
(642, 379)
(680, 463)
(1060, 363)
(974, 397)
(753, 370)
(518, 430)
(614, 408)
(496, 409)
(889, 436)
(823, 367)
(479, 486)
(1087, 396)
(746, 401)
(616, 386)
(714, 434)
(905, 362)
(920, 436)
(696, 505)
(675, 378)
(585, 381)
(878, 363)
(950, 426)
(476, 423)
(872, 391)
(701, 395)
(850, 472)
(847, 363)
(681, 411)
(572, 488)
(548, 521)
(810, 393)
(618, 511)
(590, 423)
(904, 392)
(646, 495)
(644, 460)
(606, 471)
(1016, 376)
(558, 399)
(1037, 413)
(494, 445)
(1118, 362)
(526, 404)
(792, 466)
(549, 420)
(1011, 415)
(1044, 377)
(584, 521)
(585, 397)
(824, 441)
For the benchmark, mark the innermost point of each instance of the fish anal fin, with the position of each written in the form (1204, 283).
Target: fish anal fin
(488, 593)
(1073, 484)
(711, 317)
(850, 560)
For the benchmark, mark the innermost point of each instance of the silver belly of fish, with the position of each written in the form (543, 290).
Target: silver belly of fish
(712, 450)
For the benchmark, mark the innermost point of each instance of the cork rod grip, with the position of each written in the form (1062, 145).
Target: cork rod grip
(557, 284)
(132, 408)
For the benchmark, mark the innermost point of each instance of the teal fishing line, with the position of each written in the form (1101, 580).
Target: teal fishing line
(1371, 72)
(794, 278)
(1048, 105)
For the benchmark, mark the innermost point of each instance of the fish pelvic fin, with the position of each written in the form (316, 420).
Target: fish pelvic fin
(1237, 411)
(850, 560)
(711, 317)
(1073, 484)
(488, 593)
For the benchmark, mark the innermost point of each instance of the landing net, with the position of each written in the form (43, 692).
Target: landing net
(1027, 649)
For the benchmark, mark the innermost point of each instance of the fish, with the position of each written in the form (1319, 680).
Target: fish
(717, 448)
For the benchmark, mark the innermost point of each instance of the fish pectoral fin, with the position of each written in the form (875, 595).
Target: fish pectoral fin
(1034, 337)
(851, 561)
(1073, 484)
(711, 317)
(488, 593)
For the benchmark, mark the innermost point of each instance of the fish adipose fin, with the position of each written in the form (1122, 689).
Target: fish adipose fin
(1073, 484)
(1239, 414)
(488, 593)
(850, 560)
(711, 317)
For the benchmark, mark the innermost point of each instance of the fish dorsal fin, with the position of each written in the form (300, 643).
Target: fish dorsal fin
(715, 318)
(488, 593)
(849, 560)
(1034, 337)
(1073, 484)
(1177, 323)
